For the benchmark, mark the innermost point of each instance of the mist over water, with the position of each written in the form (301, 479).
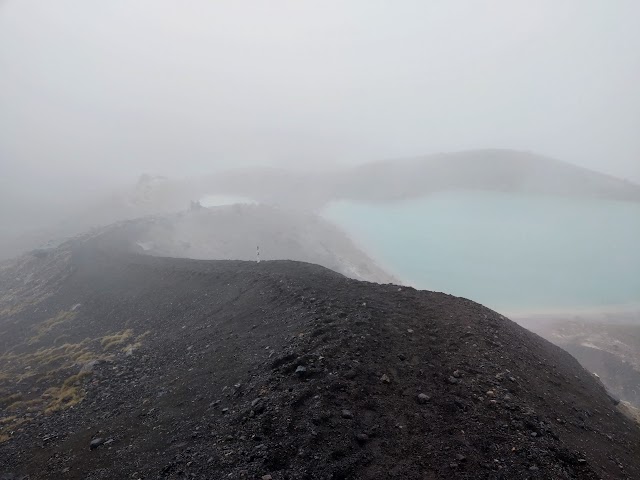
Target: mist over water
(507, 251)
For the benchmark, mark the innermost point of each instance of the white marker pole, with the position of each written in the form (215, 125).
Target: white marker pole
(258, 254)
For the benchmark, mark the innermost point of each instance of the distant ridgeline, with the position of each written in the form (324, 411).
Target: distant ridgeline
(493, 170)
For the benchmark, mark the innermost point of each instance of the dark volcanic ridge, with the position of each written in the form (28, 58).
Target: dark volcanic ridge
(237, 231)
(121, 365)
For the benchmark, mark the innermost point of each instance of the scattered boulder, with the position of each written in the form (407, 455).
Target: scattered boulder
(423, 398)
(95, 443)
(348, 414)
(89, 366)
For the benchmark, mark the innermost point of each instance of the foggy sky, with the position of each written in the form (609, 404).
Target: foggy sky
(93, 92)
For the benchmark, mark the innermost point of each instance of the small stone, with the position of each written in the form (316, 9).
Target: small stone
(259, 408)
(534, 434)
(409, 330)
(301, 370)
(456, 374)
(461, 458)
(533, 468)
(582, 461)
(452, 380)
(348, 414)
(89, 366)
(95, 443)
(362, 437)
(385, 378)
(490, 393)
(423, 398)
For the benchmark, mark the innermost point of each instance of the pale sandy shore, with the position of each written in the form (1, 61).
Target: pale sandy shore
(628, 314)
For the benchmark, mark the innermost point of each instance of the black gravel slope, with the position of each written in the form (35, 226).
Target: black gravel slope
(287, 370)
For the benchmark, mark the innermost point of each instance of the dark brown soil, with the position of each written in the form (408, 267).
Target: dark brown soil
(292, 371)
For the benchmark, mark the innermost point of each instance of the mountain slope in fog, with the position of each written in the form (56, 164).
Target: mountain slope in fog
(121, 365)
(237, 232)
(607, 344)
(494, 170)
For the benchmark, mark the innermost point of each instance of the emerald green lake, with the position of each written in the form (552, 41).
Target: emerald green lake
(507, 251)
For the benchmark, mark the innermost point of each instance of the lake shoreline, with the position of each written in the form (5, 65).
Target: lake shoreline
(628, 314)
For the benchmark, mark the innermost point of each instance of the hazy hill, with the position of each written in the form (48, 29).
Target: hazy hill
(121, 365)
(496, 170)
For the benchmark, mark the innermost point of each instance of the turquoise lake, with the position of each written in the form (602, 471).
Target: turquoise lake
(506, 251)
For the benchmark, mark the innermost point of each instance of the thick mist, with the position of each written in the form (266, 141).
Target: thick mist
(98, 93)
(94, 95)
